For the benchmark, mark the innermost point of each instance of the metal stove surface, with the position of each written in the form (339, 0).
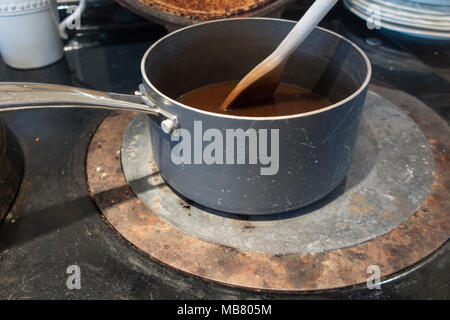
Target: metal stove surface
(55, 224)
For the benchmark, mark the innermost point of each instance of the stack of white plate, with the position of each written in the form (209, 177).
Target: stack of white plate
(423, 18)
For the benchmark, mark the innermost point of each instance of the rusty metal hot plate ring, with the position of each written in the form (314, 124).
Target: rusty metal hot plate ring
(402, 247)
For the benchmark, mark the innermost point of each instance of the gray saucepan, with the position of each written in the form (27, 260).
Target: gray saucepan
(284, 162)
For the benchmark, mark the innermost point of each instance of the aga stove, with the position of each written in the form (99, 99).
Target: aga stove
(80, 188)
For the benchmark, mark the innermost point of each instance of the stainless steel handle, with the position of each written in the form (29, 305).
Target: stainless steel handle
(15, 96)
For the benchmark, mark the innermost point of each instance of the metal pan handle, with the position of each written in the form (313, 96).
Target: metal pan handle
(15, 96)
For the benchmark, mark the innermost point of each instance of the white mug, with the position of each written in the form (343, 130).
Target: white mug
(30, 32)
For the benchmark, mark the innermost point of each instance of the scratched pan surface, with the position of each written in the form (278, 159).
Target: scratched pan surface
(390, 177)
(315, 148)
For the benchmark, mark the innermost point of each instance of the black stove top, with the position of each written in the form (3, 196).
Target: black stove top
(54, 223)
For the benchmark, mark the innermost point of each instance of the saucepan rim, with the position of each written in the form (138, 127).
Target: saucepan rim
(299, 115)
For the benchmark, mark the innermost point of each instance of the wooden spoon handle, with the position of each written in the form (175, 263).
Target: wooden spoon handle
(303, 28)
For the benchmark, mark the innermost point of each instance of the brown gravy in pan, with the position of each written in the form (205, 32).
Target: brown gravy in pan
(287, 100)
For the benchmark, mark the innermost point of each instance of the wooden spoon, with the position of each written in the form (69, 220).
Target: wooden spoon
(266, 76)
